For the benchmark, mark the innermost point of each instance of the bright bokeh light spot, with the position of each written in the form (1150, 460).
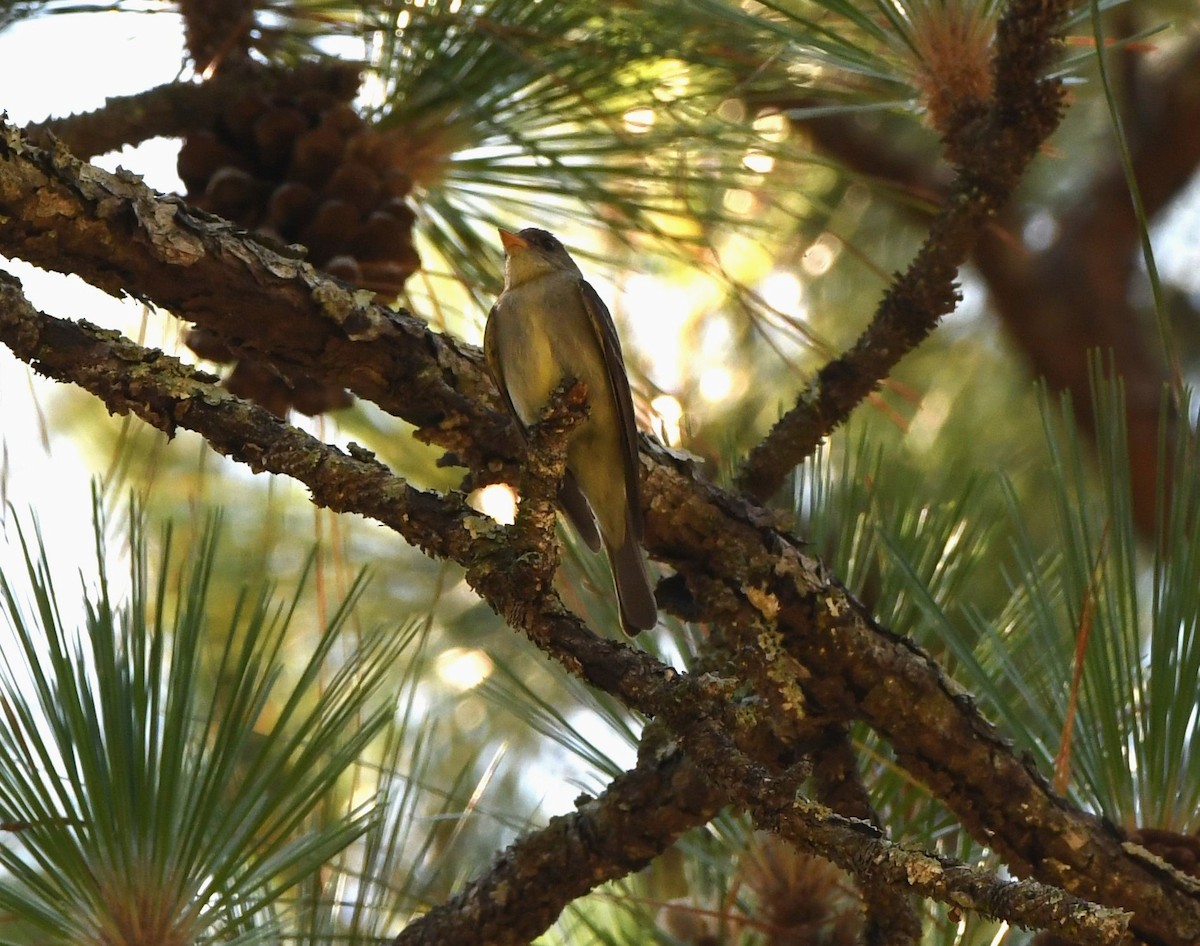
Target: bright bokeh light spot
(773, 127)
(498, 501)
(716, 383)
(744, 256)
(638, 121)
(1040, 231)
(675, 84)
(668, 415)
(373, 90)
(739, 201)
(656, 315)
(819, 257)
(462, 668)
(783, 291)
(758, 162)
(718, 336)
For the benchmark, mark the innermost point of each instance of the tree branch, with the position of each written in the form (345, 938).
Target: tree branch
(721, 735)
(264, 301)
(733, 556)
(112, 230)
(993, 151)
(1074, 296)
(638, 817)
(861, 849)
(175, 108)
(892, 920)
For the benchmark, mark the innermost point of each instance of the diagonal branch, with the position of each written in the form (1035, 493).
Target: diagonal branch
(501, 564)
(992, 150)
(862, 850)
(733, 558)
(638, 817)
(115, 232)
(723, 737)
(111, 230)
(1072, 297)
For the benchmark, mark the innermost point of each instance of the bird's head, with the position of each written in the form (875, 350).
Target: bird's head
(532, 253)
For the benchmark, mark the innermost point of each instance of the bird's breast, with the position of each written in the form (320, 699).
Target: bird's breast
(543, 335)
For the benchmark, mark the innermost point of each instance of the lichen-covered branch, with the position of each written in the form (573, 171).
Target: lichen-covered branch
(992, 151)
(861, 849)
(637, 817)
(727, 741)
(113, 231)
(732, 556)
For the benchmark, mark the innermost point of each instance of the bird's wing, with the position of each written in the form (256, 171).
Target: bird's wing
(492, 357)
(570, 497)
(614, 363)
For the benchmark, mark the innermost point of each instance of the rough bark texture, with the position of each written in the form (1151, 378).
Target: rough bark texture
(804, 658)
(725, 546)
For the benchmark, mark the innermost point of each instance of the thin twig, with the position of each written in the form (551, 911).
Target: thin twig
(994, 150)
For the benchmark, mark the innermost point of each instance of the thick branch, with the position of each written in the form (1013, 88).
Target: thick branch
(116, 233)
(861, 849)
(711, 727)
(993, 150)
(733, 558)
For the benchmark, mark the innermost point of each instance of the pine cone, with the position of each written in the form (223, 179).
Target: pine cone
(300, 165)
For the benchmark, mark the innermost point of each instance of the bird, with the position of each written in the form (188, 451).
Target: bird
(549, 325)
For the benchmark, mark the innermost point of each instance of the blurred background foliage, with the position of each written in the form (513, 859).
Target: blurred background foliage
(738, 179)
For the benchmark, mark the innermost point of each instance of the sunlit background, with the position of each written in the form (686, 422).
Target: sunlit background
(723, 316)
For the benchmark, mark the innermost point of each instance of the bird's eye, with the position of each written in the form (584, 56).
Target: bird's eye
(541, 239)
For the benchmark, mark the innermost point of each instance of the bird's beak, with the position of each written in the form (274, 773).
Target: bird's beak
(511, 241)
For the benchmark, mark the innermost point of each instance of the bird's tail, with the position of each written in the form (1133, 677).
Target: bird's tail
(575, 505)
(639, 610)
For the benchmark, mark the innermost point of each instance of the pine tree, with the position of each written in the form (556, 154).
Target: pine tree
(926, 661)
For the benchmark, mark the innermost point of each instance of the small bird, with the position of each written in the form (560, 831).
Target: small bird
(549, 325)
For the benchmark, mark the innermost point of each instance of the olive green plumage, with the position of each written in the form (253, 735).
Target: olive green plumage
(548, 325)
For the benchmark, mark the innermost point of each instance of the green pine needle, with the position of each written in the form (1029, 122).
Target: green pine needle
(142, 802)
